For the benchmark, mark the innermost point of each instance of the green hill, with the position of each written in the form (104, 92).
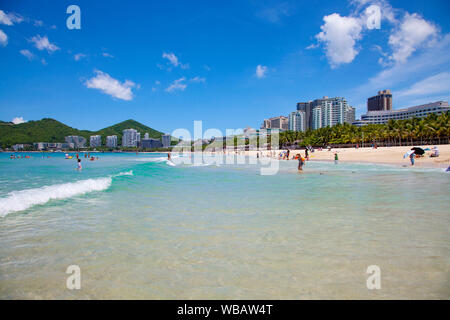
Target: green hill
(50, 130)
(128, 124)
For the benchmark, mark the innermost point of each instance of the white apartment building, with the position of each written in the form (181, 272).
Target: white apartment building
(95, 141)
(130, 138)
(111, 141)
(296, 121)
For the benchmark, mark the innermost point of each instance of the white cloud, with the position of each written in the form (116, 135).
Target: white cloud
(79, 56)
(10, 18)
(42, 43)
(27, 53)
(339, 34)
(260, 71)
(438, 83)
(429, 62)
(38, 23)
(113, 87)
(198, 79)
(18, 120)
(414, 32)
(177, 85)
(107, 55)
(173, 60)
(3, 39)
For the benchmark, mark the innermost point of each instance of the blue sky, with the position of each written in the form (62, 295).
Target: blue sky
(228, 63)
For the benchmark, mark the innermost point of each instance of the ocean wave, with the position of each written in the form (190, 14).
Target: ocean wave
(126, 173)
(24, 199)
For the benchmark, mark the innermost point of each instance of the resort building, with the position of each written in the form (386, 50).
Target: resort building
(328, 112)
(78, 142)
(297, 121)
(266, 124)
(381, 102)
(95, 141)
(280, 122)
(130, 138)
(151, 143)
(380, 117)
(40, 145)
(165, 140)
(111, 141)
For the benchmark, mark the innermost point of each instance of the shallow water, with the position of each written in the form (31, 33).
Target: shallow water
(139, 228)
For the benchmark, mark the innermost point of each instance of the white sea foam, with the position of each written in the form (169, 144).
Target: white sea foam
(126, 173)
(24, 199)
(160, 159)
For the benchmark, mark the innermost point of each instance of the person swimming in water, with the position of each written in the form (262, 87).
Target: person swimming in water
(79, 164)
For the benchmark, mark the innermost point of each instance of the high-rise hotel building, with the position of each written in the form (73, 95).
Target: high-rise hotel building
(130, 138)
(95, 141)
(297, 120)
(111, 141)
(381, 102)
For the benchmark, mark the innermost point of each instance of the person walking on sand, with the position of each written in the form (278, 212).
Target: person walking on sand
(300, 162)
(336, 158)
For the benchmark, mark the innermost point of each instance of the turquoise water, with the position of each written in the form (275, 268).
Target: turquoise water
(140, 228)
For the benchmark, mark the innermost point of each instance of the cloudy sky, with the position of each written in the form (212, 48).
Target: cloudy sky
(229, 63)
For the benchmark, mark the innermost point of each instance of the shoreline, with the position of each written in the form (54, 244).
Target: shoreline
(367, 155)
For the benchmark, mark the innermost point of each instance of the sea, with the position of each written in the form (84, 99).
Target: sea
(139, 227)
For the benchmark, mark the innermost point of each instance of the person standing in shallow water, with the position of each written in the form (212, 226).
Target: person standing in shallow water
(79, 164)
(411, 158)
(300, 162)
(336, 158)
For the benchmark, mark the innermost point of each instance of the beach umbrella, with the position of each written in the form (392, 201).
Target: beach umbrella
(418, 151)
(408, 154)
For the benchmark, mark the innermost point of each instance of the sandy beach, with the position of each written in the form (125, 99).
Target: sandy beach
(382, 155)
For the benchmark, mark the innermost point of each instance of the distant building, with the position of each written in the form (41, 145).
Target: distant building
(111, 141)
(380, 117)
(381, 102)
(146, 135)
(280, 122)
(297, 121)
(130, 138)
(151, 143)
(18, 147)
(328, 112)
(266, 124)
(78, 141)
(165, 140)
(40, 145)
(95, 141)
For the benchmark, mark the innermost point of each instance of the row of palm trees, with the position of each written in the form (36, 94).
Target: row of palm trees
(431, 129)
